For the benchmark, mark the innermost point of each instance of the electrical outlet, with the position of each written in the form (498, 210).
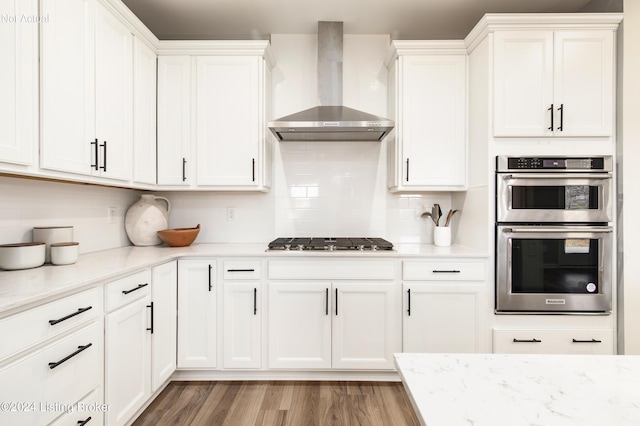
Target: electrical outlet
(111, 215)
(231, 213)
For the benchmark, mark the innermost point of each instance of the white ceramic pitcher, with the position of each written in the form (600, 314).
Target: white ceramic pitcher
(145, 218)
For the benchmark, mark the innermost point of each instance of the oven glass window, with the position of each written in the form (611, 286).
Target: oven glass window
(554, 265)
(569, 197)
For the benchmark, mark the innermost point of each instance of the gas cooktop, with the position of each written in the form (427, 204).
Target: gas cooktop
(330, 244)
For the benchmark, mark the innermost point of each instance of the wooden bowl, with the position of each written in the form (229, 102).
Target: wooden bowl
(179, 237)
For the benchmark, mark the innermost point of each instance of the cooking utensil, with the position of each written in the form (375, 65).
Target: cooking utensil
(449, 216)
(427, 214)
(437, 213)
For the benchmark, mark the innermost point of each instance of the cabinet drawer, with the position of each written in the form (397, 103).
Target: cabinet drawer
(30, 327)
(241, 270)
(53, 391)
(91, 406)
(332, 269)
(567, 341)
(443, 271)
(133, 287)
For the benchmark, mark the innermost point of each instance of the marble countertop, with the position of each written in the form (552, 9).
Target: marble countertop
(24, 288)
(519, 390)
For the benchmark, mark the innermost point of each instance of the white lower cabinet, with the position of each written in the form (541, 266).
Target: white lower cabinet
(139, 336)
(242, 325)
(565, 341)
(444, 301)
(197, 322)
(340, 325)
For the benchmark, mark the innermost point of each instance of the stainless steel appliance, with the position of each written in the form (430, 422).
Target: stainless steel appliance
(330, 244)
(553, 189)
(554, 243)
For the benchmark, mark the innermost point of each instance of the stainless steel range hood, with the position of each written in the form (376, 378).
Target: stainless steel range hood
(330, 121)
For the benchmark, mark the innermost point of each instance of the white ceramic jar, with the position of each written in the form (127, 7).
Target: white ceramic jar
(145, 218)
(64, 253)
(442, 236)
(50, 235)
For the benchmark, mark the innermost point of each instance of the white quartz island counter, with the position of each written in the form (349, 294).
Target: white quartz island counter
(517, 390)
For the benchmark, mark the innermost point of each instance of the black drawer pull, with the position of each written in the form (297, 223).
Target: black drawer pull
(210, 283)
(78, 312)
(84, 422)
(255, 301)
(326, 302)
(445, 271)
(53, 365)
(95, 153)
(151, 328)
(527, 341)
(241, 270)
(134, 289)
(409, 302)
(587, 341)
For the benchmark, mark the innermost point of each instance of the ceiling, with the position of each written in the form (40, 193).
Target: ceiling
(402, 19)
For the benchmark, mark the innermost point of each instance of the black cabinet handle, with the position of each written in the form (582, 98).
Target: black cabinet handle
(409, 302)
(551, 109)
(210, 283)
(255, 301)
(445, 271)
(326, 302)
(241, 270)
(407, 178)
(104, 159)
(587, 341)
(84, 422)
(78, 312)
(527, 341)
(95, 153)
(151, 328)
(135, 288)
(561, 109)
(53, 365)
(336, 301)
(184, 169)
(253, 169)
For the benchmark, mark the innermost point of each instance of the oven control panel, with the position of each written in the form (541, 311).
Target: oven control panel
(505, 163)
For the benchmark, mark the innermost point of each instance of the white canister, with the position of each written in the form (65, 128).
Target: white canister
(50, 235)
(442, 236)
(64, 253)
(145, 218)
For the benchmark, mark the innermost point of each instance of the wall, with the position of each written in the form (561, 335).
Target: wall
(319, 188)
(25, 203)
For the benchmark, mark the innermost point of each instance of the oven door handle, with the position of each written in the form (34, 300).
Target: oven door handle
(538, 230)
(597, 176)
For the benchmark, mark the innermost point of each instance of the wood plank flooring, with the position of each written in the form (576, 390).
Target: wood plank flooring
(294, 403)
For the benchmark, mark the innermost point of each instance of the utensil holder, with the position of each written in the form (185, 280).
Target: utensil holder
(442, 236)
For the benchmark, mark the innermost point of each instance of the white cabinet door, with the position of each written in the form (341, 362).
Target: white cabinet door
(433, 120)
(583, 82)
(114, 95)
(67, 86)
(299, 325)
(174, 120)
(228, 120)
(553, 83)
(441, 317)
(18, 83)
(127, 358)
(164, 293)
(197, 311)
(242, 324)
(144, 113)
(366, 326)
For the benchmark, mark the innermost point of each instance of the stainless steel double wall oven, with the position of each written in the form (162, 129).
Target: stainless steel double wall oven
(554, 242)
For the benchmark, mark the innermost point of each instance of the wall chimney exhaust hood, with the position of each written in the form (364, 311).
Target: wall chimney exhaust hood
(330, 121)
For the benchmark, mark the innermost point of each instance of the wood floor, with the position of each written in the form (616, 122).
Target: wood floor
(292, 403)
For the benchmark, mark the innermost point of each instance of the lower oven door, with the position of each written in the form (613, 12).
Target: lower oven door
(554, 269)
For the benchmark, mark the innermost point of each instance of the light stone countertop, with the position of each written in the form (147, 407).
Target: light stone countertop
(522, 390)
(22, 289)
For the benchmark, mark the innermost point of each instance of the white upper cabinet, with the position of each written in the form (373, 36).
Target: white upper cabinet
(427, 150)
(18, 83)
(553, 83)
(144, 113)
(86, 92)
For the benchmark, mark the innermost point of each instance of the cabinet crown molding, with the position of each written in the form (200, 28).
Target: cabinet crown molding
(491, 22)
(422, 47)
(218, 47)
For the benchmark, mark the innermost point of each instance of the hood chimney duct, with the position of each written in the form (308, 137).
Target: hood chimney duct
(330, 41)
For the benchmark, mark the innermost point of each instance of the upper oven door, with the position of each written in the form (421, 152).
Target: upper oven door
(554, 197)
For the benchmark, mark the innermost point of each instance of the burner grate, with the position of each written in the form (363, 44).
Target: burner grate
(330, 244)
